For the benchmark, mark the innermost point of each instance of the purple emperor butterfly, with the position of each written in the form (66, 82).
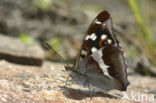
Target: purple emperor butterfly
(100, 60)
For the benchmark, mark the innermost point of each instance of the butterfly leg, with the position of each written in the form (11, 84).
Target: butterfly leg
(88, 86)
(66, 81)
(87, 82)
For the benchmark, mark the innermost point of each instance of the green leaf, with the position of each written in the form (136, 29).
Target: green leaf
(55, 43)
(27, 39)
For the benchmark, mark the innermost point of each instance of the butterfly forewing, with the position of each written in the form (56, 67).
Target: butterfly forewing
(98, 35)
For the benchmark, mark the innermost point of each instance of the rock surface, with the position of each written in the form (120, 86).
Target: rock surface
(14, 50)
(27, 84)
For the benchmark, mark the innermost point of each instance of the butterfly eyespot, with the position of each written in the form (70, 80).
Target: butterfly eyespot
(104, 43)
(116, 76)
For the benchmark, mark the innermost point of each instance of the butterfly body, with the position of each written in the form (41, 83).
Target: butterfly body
(100, 60)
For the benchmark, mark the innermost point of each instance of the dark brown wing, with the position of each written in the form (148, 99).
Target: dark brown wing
(99, 35)
(113, 57)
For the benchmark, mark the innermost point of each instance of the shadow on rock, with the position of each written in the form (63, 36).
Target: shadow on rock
(82, 94)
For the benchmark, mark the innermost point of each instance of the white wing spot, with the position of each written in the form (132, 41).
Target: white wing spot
(83, 52)
(104, 24)
(124, 54)
(98, 58)
(125, 62)
(98, 22)
(93, 37)
(109, 41)
(93, 49)
(124, 58)
(103, 36)
(88, 36)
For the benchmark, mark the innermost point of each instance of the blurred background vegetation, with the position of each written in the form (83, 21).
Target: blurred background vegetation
(63, 23)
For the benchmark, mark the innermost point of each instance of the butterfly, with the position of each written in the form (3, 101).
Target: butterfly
(100, 61)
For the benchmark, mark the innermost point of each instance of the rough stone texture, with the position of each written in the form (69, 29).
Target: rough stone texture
(19, 52)
(27, 84)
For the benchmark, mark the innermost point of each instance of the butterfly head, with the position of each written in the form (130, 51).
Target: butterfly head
(68, 67)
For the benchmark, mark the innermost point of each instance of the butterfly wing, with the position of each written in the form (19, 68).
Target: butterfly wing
(112, 63)
(98, 35)
(100, 54)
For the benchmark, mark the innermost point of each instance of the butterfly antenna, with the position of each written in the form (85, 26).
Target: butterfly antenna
(60, 57)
